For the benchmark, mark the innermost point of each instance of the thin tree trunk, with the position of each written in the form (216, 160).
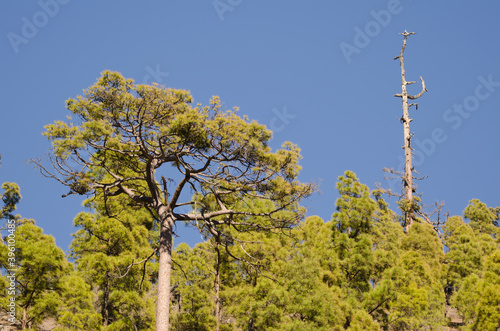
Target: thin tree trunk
(408, 174)
(164, 271)
(105, 303)
(409, 209)
(24, 322)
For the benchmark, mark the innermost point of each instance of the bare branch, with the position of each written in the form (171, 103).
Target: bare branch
(412, 97)
(129, 267)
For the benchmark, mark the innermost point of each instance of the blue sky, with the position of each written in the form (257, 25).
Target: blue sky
(320, 74)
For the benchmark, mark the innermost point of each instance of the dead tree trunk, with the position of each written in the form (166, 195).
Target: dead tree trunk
(408, 204)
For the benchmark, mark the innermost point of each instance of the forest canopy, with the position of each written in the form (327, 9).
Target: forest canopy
(141, 154)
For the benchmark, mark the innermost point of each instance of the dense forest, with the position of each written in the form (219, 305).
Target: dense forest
(263, 265)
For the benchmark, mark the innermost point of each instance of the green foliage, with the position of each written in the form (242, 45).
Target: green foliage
(387, 235)
(40, 265)
(112, 239)
(482, 218)
(488, 310)
(395, 277)
(352, 226)
(407, 206)
(475, 266)
(360, 271)
(10, 199)
(293, 285)
(193, 283)
(423, 240)
(360, 320)
(76, 310)
(124, 126)
(484, 221)
(467, 298)
(420, 299)
(126, 132)
(478, 299)
(355, 208)
(464, 256)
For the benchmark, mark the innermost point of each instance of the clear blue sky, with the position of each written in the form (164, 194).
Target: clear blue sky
(321, 74)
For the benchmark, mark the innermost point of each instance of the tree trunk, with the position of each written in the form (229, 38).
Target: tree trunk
(105, 303)
(409, 207)
(164, 271)
(24, 322)
(408, 174)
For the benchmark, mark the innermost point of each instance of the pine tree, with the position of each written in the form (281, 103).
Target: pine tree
(76, 309)
(485, 221)
(10, 199)
(294, 283)
(193, 286)
(488, 310)
(478, 297)
(352, 225)
(477, 267)
(464, 256)
(40, 265)
(126, 132)
(111, 251)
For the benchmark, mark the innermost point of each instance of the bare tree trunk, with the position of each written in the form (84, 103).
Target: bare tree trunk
(408, 205)
(408, 172)
(164, 271)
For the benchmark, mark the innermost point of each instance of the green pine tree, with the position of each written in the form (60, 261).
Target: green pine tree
(76, 309)
(39, 266)
(464, 256)
(477, 267)
(10, 199)
(124, 136)
(193, 285)
(111, 251)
